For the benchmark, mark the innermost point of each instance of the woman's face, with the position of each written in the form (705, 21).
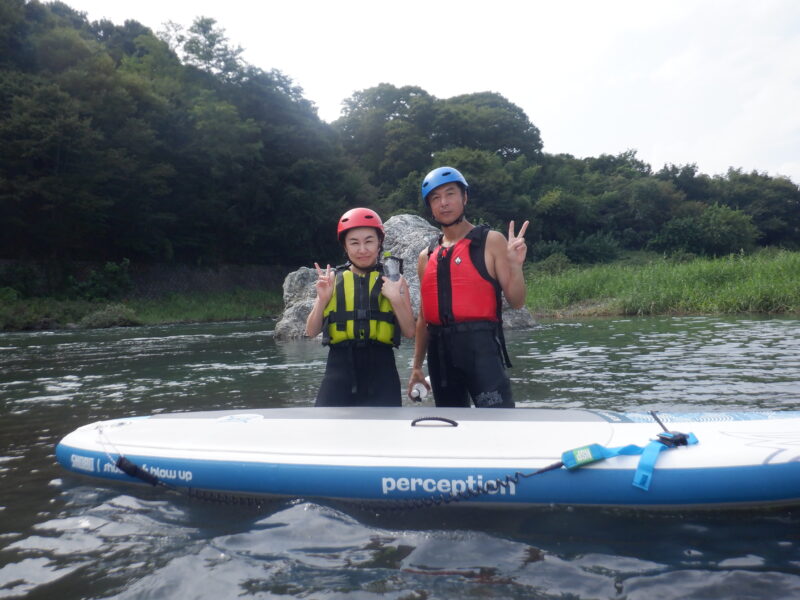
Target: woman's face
(362, 245)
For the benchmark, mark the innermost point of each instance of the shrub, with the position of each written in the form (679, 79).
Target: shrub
(111, 282)
(542, 249)
(681, 256)
(594, 248)
(26, 279)
(8, 294)
(718, 231)
(111, 315)
(553, 264)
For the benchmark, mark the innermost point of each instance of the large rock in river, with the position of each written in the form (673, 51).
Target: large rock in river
(406, 236)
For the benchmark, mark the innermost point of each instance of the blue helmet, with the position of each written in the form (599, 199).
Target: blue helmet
(439, 177)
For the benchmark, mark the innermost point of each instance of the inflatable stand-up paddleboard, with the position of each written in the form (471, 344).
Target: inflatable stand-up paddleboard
(438, 456)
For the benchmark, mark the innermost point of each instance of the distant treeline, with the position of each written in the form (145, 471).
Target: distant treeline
(116, 143)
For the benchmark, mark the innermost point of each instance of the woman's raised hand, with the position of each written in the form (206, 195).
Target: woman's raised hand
(394, 289)
(325, 282)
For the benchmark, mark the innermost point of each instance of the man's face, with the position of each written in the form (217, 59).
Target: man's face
(447, 202)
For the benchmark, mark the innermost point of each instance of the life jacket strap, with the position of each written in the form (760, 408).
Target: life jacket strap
(361, 315)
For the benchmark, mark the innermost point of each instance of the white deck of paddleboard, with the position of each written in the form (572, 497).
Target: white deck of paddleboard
(512, 439)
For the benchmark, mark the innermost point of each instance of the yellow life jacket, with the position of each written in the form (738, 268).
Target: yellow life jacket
(358, 312)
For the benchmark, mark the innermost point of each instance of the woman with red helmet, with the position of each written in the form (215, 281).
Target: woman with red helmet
(361, 314)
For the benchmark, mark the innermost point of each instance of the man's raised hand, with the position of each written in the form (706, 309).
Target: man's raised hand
(517, 249)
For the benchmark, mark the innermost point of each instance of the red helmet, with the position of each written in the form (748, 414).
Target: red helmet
(359, 217)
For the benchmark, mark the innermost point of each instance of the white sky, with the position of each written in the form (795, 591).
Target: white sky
(711, 82)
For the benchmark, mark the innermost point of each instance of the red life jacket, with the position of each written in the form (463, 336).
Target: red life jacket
(457, 287)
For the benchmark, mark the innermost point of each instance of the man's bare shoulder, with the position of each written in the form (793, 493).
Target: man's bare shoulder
(495, 241)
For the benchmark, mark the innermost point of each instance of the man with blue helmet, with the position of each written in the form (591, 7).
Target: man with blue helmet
(462, 276)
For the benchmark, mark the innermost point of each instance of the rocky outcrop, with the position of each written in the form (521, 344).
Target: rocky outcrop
(298, 299)
(406, 236)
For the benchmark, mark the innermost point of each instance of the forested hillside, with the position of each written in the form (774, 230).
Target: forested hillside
(119, 144)
(111, 147)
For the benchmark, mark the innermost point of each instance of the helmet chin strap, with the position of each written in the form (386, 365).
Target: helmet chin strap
(457, 221)
(349, 263)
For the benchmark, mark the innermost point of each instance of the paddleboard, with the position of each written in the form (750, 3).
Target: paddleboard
(423, 456)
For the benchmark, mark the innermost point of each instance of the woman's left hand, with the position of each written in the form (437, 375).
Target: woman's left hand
(394, 289)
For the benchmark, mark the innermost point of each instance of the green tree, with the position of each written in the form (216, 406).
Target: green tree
(48, 151)
(625, 164)
(12, 31)
(485, 121)
(559, 215)
(717, 231)
(687, 179)
(772, 202)
(649, 203)
(205, 46)
(388, 131)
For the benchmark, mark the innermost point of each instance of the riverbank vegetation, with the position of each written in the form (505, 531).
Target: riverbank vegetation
(52, 313)
(220, 306)
(767, 283)
(35, 296)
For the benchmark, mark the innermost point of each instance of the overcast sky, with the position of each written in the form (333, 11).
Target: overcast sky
(711, 82)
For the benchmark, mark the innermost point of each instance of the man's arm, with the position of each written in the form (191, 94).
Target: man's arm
(506, 258)
(421, 336)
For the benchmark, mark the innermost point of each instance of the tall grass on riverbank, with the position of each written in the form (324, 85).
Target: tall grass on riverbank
(206, 307)
(50, 313)
(767, 282)
(41, 313)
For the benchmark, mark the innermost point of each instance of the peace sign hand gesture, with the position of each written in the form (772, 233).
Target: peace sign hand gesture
(517, 249)
(325, 283)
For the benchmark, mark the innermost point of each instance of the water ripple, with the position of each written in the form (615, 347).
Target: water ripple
(64, 537)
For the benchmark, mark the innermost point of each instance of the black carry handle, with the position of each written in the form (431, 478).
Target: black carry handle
(442, 419)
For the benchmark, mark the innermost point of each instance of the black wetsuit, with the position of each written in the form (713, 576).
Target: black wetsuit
(466, 360)
(360, 375)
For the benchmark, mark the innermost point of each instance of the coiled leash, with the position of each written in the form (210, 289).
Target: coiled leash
(572, 460)
(133, 470)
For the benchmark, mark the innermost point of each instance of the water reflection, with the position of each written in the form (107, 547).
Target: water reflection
(661, 363)
(66, 537)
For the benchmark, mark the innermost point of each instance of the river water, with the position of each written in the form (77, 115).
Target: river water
(66, 537)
